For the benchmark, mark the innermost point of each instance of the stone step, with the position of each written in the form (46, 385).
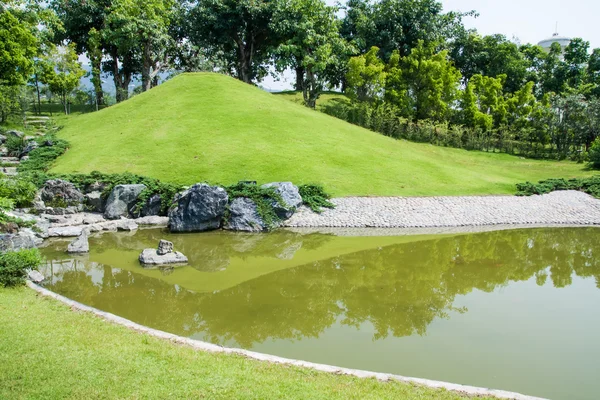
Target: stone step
(9, 171)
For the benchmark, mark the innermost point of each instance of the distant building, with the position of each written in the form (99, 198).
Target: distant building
(563, 41)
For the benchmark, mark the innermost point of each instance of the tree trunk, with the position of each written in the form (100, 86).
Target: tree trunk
(245, 53)
(97, 80)
(146, 67)
(39, 97)
(310, 90)
(121, 79)
(299, 78)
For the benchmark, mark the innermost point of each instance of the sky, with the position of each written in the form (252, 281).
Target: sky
(529, 20)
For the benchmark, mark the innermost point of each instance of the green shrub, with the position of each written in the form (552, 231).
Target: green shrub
(20, 190)
(315, 197)
(15, 146)
(594, 154)
(15, 264)
(589, 185)
(262, 197)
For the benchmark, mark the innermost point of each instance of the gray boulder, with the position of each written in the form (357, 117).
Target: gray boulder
(244, 217)
(122, 200)
(290, 195)
(152, 206)
(31, 145)
(2, 138)
(14, 133)
(79, 245)
(200, 208)
(94, 202)
(150, 257)
(61, 193)
(17, 241)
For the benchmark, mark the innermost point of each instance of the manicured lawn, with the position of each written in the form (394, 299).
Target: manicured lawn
(210, 127)
(49, 351)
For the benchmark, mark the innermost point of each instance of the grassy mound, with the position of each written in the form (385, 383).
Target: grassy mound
(210, 127)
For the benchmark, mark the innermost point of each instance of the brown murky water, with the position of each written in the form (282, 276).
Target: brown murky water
(515, 310)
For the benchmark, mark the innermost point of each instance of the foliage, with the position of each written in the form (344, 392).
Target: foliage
(41, 159)
(399, 25)
(17, 48)
(366, 77)
(315, 197)
(312, 42)
(61, 71)
(239, 30)
(20, 190)
(10, 101)
(264, 198)
(589, 185)
(15, 145)
(594, 154)
(424, 84)
(15, 264)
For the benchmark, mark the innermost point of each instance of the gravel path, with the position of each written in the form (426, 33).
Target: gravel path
(557, 208)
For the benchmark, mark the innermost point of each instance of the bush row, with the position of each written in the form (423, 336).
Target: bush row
(383, 118)
(590, 186)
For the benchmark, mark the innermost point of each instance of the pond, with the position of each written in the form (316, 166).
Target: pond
(515, 310)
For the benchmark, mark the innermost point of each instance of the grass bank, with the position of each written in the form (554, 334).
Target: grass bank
(49, 351)
(210, 127)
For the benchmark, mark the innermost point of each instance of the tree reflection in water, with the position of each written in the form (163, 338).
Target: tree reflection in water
(400, 289)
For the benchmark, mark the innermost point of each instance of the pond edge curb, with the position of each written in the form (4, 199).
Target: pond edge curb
(209, 347)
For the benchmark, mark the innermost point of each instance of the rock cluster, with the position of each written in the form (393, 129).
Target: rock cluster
(203, 207)
(163, 256)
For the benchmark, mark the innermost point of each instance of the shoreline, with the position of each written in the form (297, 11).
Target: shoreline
(467, 213)
(209, 347)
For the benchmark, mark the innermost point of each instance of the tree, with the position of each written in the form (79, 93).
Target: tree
(423, 84)
(240, 30)
(312, 42)
(398, 25)
(82, 23)
(575, 61)
(593, 72)
(553, 77)
(62, 72)
(366, 76)
(492, 56)
(17, 48)
(143, 25)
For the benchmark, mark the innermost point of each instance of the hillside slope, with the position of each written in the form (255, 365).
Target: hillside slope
(210, 127)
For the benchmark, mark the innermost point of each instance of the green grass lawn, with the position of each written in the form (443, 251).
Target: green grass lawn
(48, 351)
(210, 127)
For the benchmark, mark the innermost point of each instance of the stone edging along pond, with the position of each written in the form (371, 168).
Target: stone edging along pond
(203, 346)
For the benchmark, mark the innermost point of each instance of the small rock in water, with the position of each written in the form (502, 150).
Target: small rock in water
(35, 276)
(164, 247)
(164, 255)
(150, 257)
(79, 245)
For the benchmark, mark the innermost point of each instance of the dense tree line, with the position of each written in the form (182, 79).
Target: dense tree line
(405, 64)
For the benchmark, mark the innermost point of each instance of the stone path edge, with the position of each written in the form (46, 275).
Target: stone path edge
(204, 346)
